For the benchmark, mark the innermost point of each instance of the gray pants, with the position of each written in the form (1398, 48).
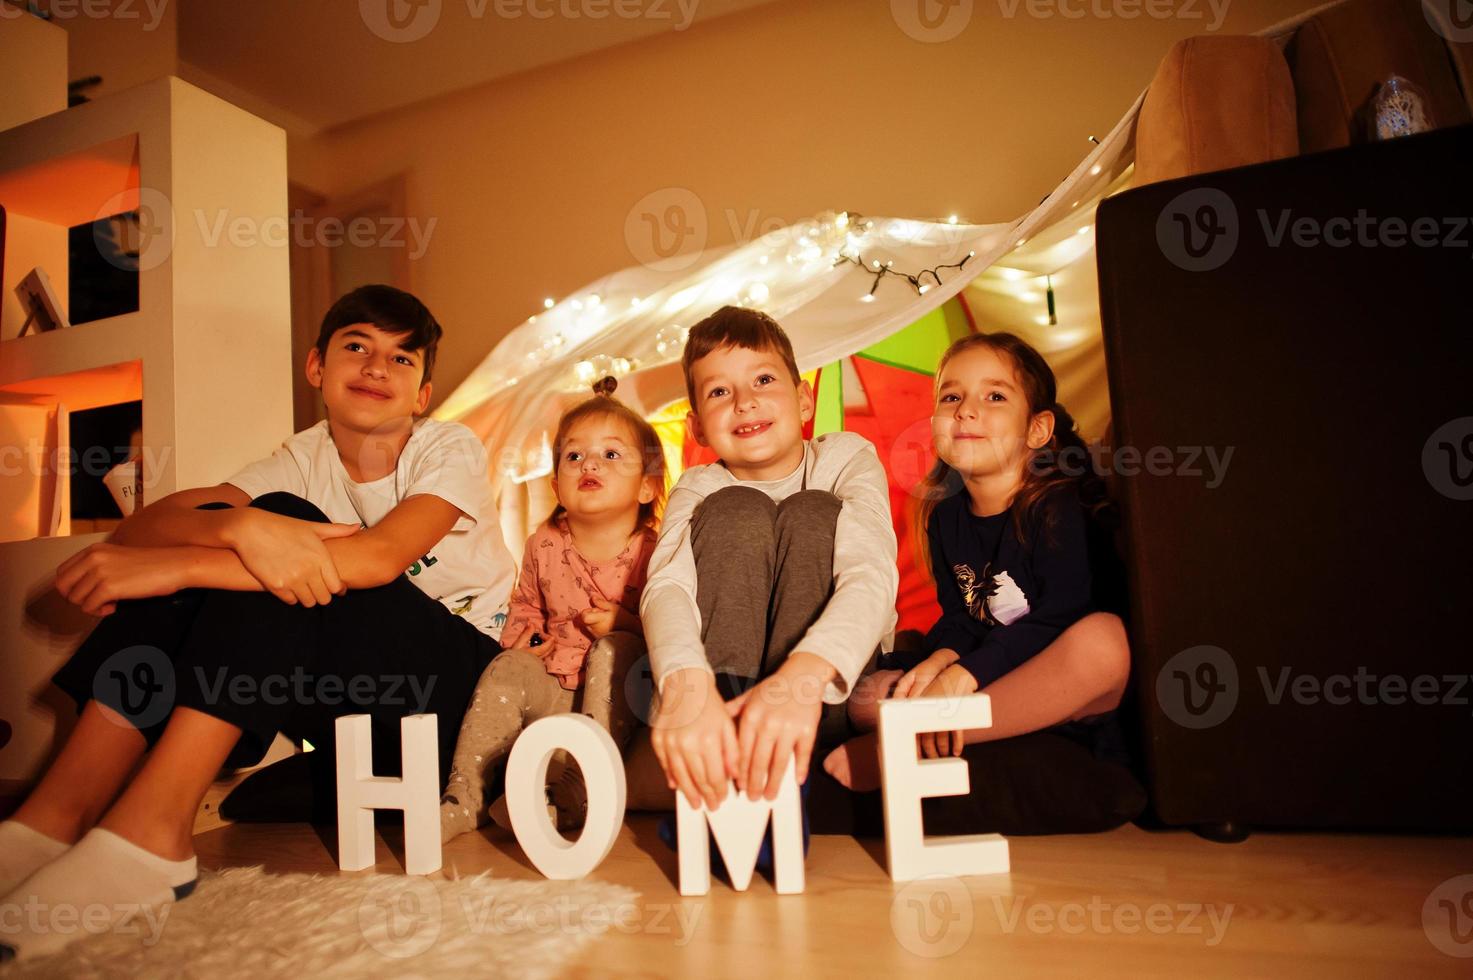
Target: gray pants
(764, 571)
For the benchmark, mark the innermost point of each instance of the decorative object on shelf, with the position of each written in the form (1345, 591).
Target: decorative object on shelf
(1399, 109)
(102, 442)
(39, 299)
(125, 483)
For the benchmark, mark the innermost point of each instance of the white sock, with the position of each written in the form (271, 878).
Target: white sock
(22, 851)
(102, 882)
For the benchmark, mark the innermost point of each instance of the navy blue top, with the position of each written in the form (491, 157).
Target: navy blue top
(1064, 572)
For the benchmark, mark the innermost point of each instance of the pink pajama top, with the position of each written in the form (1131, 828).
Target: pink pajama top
(557, 584)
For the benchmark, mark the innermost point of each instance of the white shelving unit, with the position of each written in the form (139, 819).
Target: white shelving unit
(208, 351)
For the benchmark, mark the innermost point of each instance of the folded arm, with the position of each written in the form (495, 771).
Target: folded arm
(101, 575)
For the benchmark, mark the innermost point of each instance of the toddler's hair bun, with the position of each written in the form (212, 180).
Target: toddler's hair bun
(605, 386)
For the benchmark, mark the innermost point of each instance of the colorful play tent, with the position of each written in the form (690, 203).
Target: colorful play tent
(869, 304)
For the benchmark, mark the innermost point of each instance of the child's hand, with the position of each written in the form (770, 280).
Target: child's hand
(100, 575)
(693, 737)
(514, 635)
(778, 723)
(954, 681)
(600, 620)
(287, 556)
(919, 677)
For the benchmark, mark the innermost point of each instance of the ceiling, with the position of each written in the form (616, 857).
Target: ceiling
(330, 62)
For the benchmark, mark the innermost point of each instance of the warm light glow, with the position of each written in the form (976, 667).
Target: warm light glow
(842, 221)
(951, 220)
(1084, 230)
(548, 303)
(1094, 170)
(595, 300)
(1011, 275)
(867, 298)
(758, 292)
(1041, 320)
(584, 370)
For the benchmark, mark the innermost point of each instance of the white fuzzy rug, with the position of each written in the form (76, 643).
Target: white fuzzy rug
(244, 922)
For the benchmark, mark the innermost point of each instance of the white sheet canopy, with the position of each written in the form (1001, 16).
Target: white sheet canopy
(630, 323)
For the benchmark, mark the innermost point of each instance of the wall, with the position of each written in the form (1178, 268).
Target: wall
(127, 42)
(34, 56)
(764, 117)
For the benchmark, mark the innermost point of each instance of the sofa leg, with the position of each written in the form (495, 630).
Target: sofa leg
(1222, 832)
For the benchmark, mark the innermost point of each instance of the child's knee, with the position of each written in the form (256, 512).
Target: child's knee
(737, 503)
(808, 513)
(290, 505)
(513, 666)
(1106, 649)
(735, 521)
(864, 701)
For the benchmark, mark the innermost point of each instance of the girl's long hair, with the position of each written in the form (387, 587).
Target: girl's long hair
(1062, 462)
(651, 451)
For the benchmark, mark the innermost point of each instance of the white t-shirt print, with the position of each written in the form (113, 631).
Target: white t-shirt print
(469, 570)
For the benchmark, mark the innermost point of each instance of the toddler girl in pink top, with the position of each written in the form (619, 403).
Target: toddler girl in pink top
(573, 630)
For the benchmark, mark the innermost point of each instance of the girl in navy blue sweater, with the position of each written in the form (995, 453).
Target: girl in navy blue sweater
(1005, 519)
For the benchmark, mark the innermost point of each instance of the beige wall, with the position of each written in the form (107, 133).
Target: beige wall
(127, 42)
(768, 115)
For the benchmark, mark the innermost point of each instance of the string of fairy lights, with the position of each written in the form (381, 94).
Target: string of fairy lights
(823, 243)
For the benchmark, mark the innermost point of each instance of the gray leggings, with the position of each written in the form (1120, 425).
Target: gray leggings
(516, 690)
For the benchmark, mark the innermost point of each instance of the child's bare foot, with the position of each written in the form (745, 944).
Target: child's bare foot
(856, 763)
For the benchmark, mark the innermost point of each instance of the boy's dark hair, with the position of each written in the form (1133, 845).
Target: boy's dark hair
(392, 311)
(735, 326)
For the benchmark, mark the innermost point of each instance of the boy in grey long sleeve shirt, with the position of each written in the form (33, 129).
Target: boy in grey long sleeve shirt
(776, 566)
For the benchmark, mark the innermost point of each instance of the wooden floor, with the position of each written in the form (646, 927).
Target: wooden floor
(1125, 903)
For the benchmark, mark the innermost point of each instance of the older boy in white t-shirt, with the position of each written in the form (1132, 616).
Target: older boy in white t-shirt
(359, 569)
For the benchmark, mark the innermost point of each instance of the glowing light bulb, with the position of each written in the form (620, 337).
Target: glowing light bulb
(867, 298)
(762, 260)
(595, 300)
(925, 288)
(584, 370)
(951, 220)
(842, 221)
(1094, 170)
(758, 292)
(549, 303)
(1084, 230)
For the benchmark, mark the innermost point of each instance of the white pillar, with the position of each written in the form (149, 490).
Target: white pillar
(906, 780)
(417, 793)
